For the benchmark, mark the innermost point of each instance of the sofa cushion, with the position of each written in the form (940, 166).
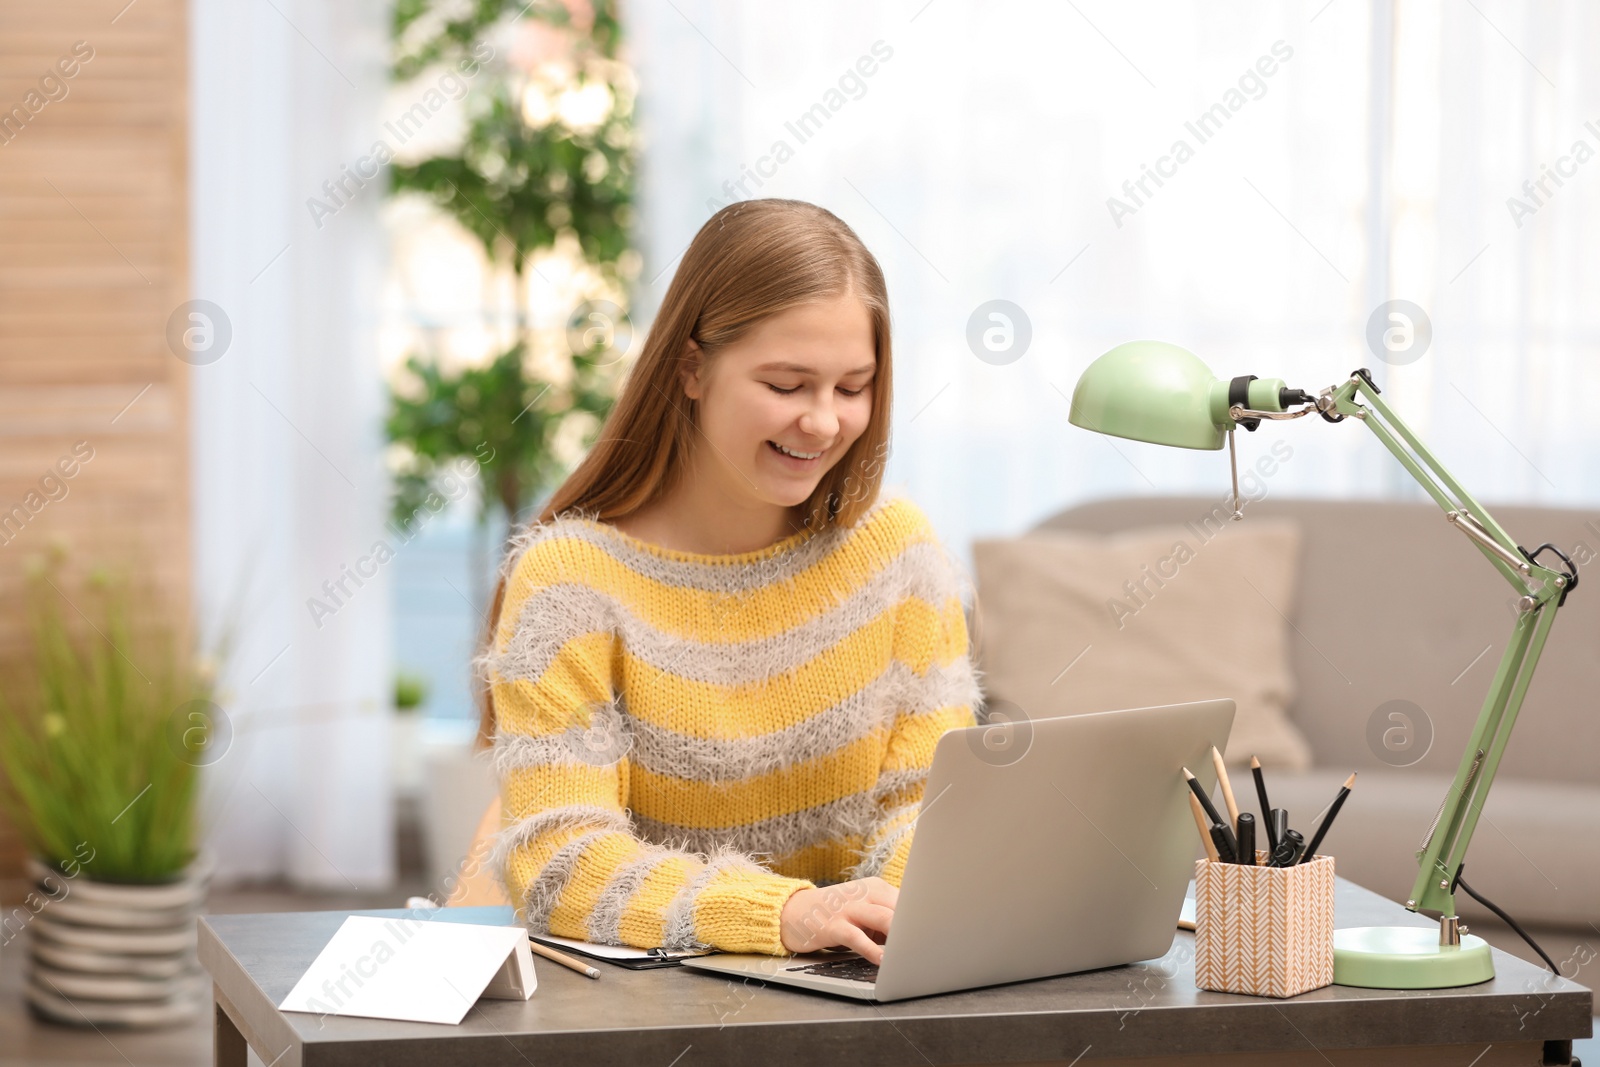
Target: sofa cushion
(1393, 604)
(1067, 623)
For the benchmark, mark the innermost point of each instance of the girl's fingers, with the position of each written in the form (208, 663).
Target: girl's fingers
(860, 923)
(872, 916)
(852, 937)
(881, 892)
(852, 916)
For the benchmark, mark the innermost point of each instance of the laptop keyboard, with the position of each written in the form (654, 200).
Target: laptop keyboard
(853, 969)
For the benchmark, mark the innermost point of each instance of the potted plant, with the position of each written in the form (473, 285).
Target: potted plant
(103, 731)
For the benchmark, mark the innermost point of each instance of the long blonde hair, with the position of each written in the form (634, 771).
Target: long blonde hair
(750, 261)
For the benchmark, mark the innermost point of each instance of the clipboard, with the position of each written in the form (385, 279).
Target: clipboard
(634, 959)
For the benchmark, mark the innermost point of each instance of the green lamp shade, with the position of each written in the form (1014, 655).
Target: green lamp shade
(1149, 391)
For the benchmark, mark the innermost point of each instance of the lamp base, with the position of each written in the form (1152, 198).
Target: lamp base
(1407, 957)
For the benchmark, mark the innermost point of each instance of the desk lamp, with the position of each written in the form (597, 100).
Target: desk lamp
(1158, 392)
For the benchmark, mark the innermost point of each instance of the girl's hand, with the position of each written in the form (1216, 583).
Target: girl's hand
(853, 914)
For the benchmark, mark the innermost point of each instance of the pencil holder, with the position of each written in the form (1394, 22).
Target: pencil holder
(1267, 931)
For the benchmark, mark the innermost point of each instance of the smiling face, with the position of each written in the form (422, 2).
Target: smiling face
(780, 406)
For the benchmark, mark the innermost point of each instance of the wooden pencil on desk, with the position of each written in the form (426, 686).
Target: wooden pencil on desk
(562, 958)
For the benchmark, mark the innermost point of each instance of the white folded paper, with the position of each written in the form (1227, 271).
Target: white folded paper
(413, 969)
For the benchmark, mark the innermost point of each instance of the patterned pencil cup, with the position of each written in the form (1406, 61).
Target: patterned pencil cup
(1267, 931)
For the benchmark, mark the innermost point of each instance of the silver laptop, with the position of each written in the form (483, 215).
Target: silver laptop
(1043, 847)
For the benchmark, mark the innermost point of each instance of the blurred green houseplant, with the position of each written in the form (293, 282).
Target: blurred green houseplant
(103, 732)
(546, 160)
(410, 691)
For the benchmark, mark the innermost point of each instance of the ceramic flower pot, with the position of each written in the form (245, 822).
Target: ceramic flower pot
(110, 953)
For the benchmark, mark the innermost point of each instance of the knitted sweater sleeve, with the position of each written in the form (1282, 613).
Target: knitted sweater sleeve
(567, 853)
(940, 693)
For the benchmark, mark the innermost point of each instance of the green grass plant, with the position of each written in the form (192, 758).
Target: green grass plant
(104, 729)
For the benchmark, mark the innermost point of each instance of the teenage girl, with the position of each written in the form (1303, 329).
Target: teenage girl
(718, 663)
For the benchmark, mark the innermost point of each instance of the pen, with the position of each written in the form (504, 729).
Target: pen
(1266, 805)
(1338, 802)
(1247, 839)
(562, 958)
(1211, 813)
(1227, 786)
(1277, 823)
(1200, 824)
(1288, 851)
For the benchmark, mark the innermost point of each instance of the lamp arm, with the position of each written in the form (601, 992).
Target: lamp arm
(1426, 469)
(1543, 591)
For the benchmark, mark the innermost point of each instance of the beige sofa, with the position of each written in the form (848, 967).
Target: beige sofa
(1394, 604)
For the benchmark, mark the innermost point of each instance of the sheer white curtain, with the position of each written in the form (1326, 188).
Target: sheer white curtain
(1489, 98)
(289, 491)
(1349, 154)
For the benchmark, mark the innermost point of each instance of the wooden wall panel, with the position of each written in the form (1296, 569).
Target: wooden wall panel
(93, 261)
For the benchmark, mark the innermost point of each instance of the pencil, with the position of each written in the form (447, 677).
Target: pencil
(1210, 808)
(1227, 788)
(1333, 810)
(1200, 795)
(1200, 824)
(562, 958)
(1266, 805)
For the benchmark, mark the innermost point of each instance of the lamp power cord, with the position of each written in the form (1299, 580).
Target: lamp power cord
(1508, 920)
(1555, 1052)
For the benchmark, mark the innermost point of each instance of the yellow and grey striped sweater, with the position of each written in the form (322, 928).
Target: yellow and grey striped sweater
(683, 741)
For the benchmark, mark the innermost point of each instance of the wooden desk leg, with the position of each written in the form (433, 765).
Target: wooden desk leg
(228, 1044)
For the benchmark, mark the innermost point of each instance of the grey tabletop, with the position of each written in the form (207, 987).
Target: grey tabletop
(655, 1017)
